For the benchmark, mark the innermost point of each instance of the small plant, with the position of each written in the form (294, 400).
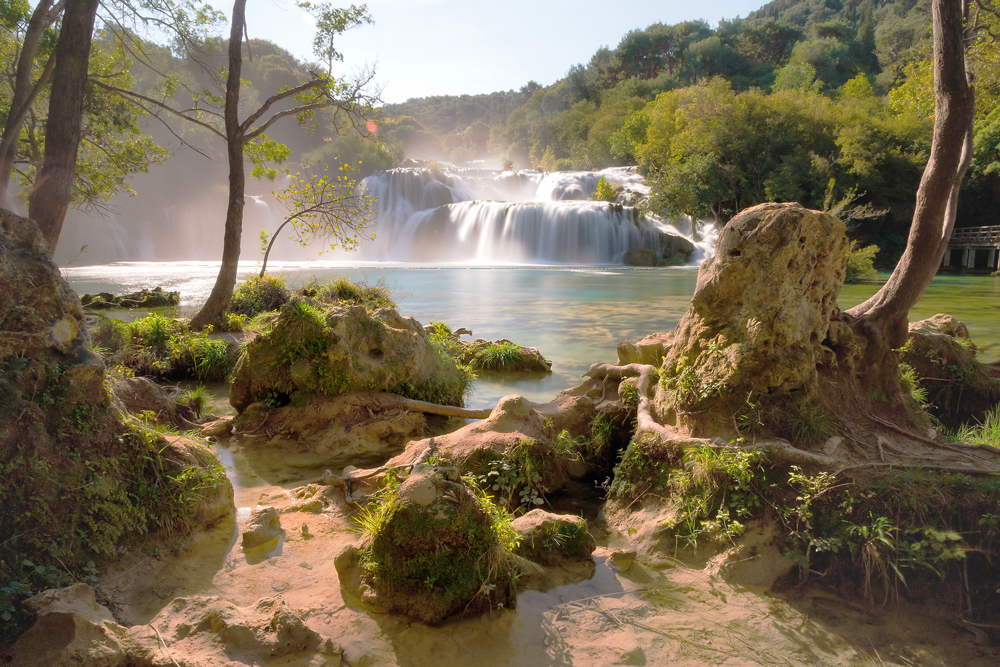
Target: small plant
(517, 477)
(987, 433)
(605, 191)
(911, 383)
(628, 390)
(196, 399)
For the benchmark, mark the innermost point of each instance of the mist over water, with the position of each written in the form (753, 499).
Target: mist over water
(447, 215)
(481, 216)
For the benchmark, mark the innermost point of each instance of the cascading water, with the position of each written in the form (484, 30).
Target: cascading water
(447, 215)
(482, 216)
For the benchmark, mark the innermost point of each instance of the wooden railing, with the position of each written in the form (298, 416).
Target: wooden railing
(989, 236)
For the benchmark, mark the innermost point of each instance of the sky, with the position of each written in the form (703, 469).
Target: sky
(421, 48)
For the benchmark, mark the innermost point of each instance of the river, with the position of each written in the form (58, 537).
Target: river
(574, 315)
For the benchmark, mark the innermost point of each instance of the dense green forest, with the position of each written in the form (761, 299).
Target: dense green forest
(807, 100)
(816, 101)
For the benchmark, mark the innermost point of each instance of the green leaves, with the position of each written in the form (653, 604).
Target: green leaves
(331, 22)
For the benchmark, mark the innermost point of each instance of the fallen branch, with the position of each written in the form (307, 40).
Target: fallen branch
(445, 410)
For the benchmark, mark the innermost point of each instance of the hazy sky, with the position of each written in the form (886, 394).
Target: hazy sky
(453, 47)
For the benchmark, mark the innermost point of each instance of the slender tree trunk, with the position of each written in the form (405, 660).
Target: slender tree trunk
(24, 93)
(274, 237)
(50, 199)
(884, 316)
(222, 292)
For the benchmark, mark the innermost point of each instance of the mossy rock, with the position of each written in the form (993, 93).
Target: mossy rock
(316, 349)
(154, 298)
(943, 356)
(504, 356)
(435, 548)
(79, 483)
(550, 539)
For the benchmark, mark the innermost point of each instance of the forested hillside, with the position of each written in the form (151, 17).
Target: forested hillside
(807, 100)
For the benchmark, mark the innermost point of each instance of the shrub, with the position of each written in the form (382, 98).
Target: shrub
(259, 294)
(861, 263)
(605, 191)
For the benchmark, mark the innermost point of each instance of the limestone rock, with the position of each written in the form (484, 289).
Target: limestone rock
(154, 298)
(314, 349)
(264, 525)
(354, 428)
(649, 350)
(622, 559)
(70, 629)
(208, 631)
(436, 554)
(943, 355)
(760, 315)
(524, 360)
(549, 539)
(140, 394)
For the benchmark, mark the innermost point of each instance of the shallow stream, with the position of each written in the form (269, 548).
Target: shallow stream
(658, 612)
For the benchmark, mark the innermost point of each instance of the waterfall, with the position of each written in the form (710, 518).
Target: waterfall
(482, 216)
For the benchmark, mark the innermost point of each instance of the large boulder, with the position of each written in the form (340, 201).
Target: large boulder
(314, 349)
(41, 312)
(503, 356)
(760, 318)
(432, 549)
(70, 629)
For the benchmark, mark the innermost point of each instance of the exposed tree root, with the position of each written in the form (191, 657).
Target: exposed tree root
(980, 459)
(779, 449)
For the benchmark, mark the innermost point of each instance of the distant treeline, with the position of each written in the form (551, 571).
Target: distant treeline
(807, 100)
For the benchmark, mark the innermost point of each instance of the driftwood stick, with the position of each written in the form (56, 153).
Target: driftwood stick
(445, 410)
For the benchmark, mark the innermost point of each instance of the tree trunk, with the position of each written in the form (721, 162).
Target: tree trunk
(884, 316)
(23, 95)
(50, 199)
(222, 292)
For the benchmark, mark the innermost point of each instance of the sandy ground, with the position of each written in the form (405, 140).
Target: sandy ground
(655, 613)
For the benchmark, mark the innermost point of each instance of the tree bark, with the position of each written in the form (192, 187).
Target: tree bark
(885, 314)
(24, 93)
(50, 199)
(222, 292)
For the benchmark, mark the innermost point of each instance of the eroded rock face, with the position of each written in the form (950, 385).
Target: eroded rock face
(203, 631)
(70, 629)
(313, 349)
(437, 553)
(760, 314)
